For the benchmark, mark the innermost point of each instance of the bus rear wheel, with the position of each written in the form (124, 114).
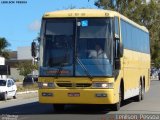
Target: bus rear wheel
(140, 97)
(58, 107)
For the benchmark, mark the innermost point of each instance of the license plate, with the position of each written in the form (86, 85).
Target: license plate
(47, 94)
(73, 94)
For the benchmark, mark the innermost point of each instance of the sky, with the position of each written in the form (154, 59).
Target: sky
(20, 22)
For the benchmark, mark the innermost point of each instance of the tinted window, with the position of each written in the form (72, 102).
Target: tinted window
(58, 47)
(12, 82)
(9, 83)
(95, 28)
(116, 25)
(94, 47)
(2, 82)
(134, 38)
(28, 79)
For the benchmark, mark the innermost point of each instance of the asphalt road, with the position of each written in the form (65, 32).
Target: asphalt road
(30, 108)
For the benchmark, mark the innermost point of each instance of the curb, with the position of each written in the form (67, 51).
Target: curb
(25, 92)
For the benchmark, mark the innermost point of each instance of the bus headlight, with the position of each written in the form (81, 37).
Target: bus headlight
(102, 85)
(46, 85)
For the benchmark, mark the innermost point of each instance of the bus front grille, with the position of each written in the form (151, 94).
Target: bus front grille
(83, 85)
(64, 84)
(74, 84)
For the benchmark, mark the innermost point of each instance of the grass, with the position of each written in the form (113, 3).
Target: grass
(27, 88)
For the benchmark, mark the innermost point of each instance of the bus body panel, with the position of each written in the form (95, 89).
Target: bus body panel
(135, 67)
(87, 96)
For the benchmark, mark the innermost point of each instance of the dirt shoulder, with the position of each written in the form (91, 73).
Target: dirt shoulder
(27, 94)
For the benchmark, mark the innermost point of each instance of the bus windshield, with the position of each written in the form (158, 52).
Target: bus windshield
(58, 47)
(94, 46)
(90, 40)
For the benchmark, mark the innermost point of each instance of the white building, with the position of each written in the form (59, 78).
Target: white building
(24, 53)
(2, 62)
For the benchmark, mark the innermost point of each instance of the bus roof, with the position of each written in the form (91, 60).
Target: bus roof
(86, 13)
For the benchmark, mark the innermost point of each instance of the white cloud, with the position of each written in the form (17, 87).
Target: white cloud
(35, 25)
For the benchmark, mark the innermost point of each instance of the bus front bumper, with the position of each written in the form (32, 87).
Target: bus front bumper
(77, 96)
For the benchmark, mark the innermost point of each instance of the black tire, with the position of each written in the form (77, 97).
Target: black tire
(58, 107)
(117, 106)
(140, 97)
(158, 76)
(5, 96)
(15, 96)
(143, 91)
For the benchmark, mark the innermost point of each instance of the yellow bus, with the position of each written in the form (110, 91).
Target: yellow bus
(92, 56)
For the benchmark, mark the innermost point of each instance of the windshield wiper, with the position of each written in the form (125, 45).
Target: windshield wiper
(84, 68)
(62, 64)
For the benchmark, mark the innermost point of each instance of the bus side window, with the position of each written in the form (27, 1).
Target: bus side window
(116, 26)
(116, 36)
(116, 44)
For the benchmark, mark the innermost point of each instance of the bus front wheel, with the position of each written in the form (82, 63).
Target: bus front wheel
(117, 106)
(58, 107)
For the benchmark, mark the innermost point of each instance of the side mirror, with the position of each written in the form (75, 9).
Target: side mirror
(118, 52)
(118, 47)
(116, 37)
(33, 49)
(39, 39)
(117, 63)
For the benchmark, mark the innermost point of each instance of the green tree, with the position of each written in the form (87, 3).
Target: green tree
(26, 68)
(147, 14)
(3, 47)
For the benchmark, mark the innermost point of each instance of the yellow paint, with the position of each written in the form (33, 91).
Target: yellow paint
(87, 96)
(135, 66)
